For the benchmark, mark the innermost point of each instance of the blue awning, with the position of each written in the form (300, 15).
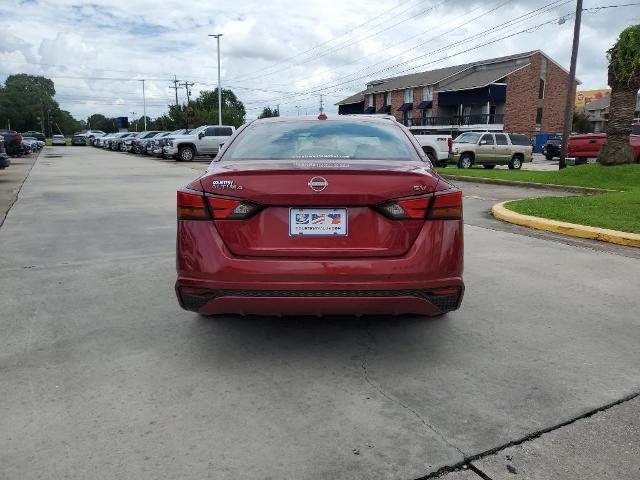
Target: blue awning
(385, 109)
(406, 106)
(370, 110)
(493, 94)
(425, 105)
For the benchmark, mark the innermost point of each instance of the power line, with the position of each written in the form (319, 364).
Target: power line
(287, 60)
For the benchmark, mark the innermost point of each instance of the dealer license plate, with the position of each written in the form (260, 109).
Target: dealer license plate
(318, 222)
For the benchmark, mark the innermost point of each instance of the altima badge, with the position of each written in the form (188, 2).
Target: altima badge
(318, 184)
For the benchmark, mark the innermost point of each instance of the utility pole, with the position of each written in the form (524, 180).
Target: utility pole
(186, 86)
(49, 123)
(568, 109)
(321, 105)
(175, 87)
(144, 107)
(133, 115)
(298, 109)
(278, 108)
(217, 37)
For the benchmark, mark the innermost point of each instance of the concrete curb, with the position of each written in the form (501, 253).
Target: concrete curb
(572, 229)
(516, 183)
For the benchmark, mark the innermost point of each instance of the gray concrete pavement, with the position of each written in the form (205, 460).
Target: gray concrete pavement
(605, 445)
(11, 179)
(103, 376)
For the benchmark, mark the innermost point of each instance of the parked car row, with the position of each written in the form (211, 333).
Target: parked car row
(17, 144)
(5, 161)
(182, 145)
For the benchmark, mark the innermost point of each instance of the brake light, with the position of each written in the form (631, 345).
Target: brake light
(450, 144)
(191, 206)
(446, 205)
(225, 208)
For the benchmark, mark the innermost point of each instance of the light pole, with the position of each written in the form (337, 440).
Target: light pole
(568, 109)
(217, 37)
(144, 107)
(133, 115)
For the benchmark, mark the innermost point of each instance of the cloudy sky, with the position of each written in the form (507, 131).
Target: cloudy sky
(284, 52)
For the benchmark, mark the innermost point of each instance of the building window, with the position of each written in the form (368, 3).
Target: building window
(539, 116)
(387, 98)
(372, 102)
(427, 93)
(408, 95)
(407, 117)
(541, 89)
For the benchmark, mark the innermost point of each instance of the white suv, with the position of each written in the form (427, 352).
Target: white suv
(204, 140)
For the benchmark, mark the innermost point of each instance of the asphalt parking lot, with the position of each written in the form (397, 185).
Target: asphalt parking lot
(104, 376)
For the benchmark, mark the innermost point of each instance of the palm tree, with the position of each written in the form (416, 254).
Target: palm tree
(624, 80)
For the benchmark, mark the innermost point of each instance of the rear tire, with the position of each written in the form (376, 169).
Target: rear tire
(185, 154)
(489, 166)
(515, 163)
(465, 161)
(549, 157)
(432, 158)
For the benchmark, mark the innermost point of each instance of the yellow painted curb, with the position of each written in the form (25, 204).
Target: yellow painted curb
(565, 228)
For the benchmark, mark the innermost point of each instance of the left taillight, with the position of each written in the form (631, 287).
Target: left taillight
(444, 205)
(228, 208)
(194, 205)
(191, 206)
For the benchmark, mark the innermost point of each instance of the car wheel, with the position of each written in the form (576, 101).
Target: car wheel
(515, 163)
(489, 166)
(432, 158)
(185, 154)
(465, 161)
(549, 157)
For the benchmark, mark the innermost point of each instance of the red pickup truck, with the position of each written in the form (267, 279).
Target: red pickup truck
(588, 145)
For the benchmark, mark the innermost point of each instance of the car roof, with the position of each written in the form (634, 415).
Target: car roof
(382, 119)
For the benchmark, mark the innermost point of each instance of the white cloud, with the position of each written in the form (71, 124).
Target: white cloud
(128, 40)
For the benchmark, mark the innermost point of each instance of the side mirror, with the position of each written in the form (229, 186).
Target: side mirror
(201, 135)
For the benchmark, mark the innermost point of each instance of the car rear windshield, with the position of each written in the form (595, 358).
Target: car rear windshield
(322, 139)
(517, 139)
(635, 129)
(468, 138)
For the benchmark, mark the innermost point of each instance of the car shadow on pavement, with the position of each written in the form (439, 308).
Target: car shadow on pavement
(324, 340)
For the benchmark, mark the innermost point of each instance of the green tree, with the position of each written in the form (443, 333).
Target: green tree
(26, 101)
(97, 121)
(581, 123)
(268, 112)
(206, 108)
(63, 122)
(624, 80)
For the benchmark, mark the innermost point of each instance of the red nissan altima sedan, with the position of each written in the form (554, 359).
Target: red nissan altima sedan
(319, 216)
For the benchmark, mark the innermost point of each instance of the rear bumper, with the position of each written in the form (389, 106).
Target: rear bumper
(427, 280)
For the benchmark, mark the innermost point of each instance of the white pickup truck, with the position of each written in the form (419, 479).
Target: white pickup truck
(203, 140)
(437, 147)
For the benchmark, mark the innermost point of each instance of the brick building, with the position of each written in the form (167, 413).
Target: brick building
(524, 93)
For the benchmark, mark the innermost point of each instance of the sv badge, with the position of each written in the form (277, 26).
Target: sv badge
(419, 188)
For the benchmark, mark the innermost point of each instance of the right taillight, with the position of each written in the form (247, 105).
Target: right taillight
(445, 205)
(450, 144)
